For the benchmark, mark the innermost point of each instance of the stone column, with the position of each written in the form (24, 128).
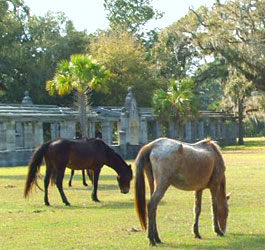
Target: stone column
(63, 129)
(201, 130)
(172, 130)
(219, 129)
(143, 131)
(124, 126)
(28, 135)
(213, 129)
(71, 129)
(11, 136)
(234, 134)
(91, 129)
(19, 135)
(2, 136)
(158, 129)
(107, 128)
(38, 134)
(188, 130)
(55, 130)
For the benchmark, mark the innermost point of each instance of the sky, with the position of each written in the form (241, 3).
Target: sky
(90, 14)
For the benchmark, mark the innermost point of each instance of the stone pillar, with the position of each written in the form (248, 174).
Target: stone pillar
(158, 129)
(201, 130)
(107, 128)
(124, 126)
(55, 130)
(131, 107)
(19, 135)
(223, 129)
(38, 134)
(91, 129)
(28, 135)
(218, 129)
(188, 132)
(234, 134)
(71, 130)
(172, 130)
(63, 129)
(2, 136)
(143, 131)
(11, 136)
(213, 129)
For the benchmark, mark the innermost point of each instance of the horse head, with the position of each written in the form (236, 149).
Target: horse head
(124, 179)
(223, 212)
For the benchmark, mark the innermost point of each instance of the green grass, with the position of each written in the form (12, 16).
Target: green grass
(112, 223)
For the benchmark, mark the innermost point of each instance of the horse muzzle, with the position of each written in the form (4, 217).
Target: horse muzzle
(125, 191)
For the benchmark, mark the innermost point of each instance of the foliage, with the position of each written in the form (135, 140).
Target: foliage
(179, 102)
(30, 48)
(209, 79)
(130, 14)
(235, 30)
(80, 73)
(125, 58)
(174, 54)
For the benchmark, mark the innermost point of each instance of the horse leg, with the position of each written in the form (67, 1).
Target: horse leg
(95, 185)
(214, 193)
(152, 208)
(71, 178)
(59, 184)
(197, 212)
(90, 174)
(84, 178)
(46, 183)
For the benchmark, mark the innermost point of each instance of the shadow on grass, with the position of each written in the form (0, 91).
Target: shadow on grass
(23, 177)
(238, 241)
(93, 205)
(13, 177)
(248, 144)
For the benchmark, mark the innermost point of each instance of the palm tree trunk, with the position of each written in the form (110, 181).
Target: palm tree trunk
(82, 102)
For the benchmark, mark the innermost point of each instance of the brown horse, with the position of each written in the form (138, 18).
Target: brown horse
(75, 154)
(189, 167)
(90, 173)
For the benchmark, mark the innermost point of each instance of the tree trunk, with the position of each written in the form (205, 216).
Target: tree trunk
(240, 121)
(82, 102)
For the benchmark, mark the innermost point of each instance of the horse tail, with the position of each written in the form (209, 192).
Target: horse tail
(141, 161)
(34, 168)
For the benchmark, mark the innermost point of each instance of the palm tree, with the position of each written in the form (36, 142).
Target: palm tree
(178, 104)
(80, 73)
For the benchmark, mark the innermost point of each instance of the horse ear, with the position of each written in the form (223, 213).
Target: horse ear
(228, 196)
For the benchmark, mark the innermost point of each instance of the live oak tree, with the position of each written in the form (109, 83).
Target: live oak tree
(130, 14)
(235, 30)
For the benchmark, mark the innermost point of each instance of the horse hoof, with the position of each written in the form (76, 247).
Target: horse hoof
(197, 236)
(67, 204)
(152, 243)
(85, 184)
(47, 204)
(96, 200)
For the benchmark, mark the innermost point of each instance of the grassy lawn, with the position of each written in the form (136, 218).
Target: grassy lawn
(112, 223)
